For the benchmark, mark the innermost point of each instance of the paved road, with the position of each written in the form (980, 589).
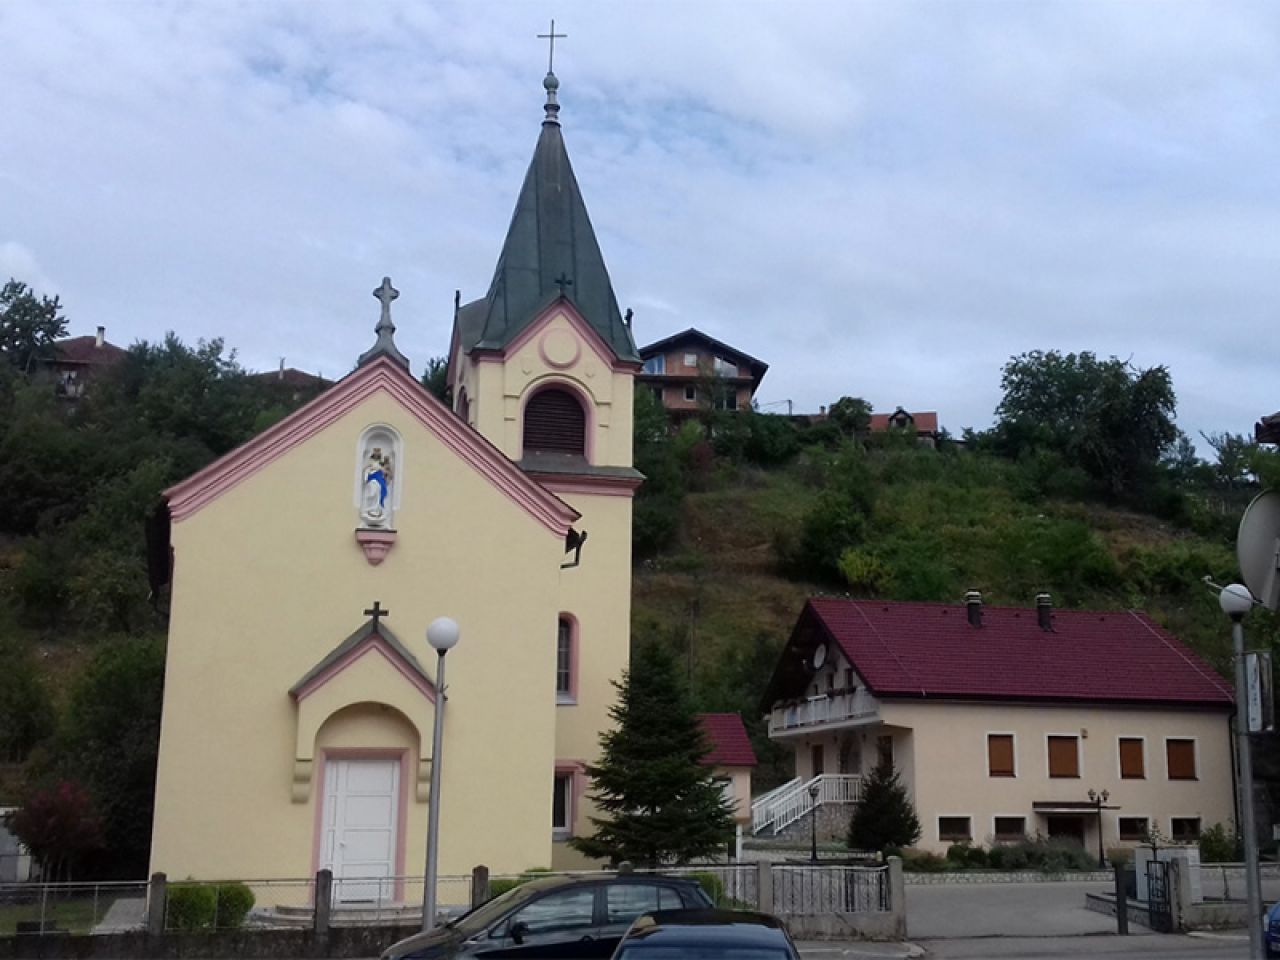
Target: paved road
(959, 911)
(1100, 947)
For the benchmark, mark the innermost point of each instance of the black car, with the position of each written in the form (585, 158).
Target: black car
(565, 918)
(707, 935)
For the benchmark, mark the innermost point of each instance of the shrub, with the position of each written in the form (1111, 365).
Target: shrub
(1119, 856)
(965, 855)
(1219, 844)
(922, 861)
(235, 900)
(711, 885)
(191, 906)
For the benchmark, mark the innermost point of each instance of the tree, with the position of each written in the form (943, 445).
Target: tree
(852, 415)
(436, 378)
(26, 712)
(884, 816)
(28, 326)
(58, 825)
(1114, 419)
(1235, 457)
(658, 802)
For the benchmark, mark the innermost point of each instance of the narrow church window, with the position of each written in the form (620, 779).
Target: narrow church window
(562, 805)
(564, 662)
(555, 422)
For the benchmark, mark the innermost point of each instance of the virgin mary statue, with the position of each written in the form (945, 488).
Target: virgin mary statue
(375, 505)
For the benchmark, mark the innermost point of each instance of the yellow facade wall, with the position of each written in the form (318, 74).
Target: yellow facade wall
(268, 579)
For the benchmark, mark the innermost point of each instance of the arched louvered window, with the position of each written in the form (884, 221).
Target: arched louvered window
(555, 422)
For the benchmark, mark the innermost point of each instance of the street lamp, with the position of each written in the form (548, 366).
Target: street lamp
(1098, 799)
(813, 822)
(1235, 601)
(442, 634)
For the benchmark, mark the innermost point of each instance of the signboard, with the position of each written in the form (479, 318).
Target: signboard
(1259, 703)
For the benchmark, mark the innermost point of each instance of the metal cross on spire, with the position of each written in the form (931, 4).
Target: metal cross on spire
(552, 36)
(375, 613)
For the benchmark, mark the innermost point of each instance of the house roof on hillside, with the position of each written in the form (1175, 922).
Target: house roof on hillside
(292, 377)
(925, 421)
(727, 736)
(758, 367)
(931, 651)
(85, 351)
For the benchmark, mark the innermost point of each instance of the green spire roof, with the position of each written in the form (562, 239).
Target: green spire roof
(550, 251)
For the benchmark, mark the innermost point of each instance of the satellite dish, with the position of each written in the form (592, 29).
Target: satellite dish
(820, 656)
(1258, 548)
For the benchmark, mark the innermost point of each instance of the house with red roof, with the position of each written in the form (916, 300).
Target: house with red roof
(76, 361)
(732, 758)
(1003, 722)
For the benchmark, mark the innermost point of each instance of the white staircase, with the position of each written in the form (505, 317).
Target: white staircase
(776, 810)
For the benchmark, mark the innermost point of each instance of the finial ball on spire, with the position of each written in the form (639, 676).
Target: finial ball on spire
(551, 82)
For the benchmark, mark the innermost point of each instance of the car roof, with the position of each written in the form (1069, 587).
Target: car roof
(693, 926)
(556, 882)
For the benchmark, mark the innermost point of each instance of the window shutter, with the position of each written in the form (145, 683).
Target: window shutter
(554, 421)
(1064, 757)
(1000, 755)
(1182, 759)
(1131, 765)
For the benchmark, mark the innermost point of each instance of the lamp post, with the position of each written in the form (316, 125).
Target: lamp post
(1235, 601)
(442, 634)
(1098, 799)
(813, 822)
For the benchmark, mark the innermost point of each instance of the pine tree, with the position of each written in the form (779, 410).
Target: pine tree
(658, 803)
(884, 816)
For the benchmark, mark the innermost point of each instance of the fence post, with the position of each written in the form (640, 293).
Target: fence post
(898, 896)
(764, 886)
(323, 904)
(1122, 899)
(1179, 892)
(157, 897)
(479, 885)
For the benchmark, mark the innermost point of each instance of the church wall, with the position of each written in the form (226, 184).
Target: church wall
(268, 579)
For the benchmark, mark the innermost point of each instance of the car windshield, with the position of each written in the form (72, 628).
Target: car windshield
(474, 921)
(701, 951)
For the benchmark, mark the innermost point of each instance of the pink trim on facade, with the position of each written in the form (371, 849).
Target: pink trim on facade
(555, 381)
(592, 486)
(575, 635)
(205, 486)
(371, 643)
(402, 806)
(581, 327)
(376, 544)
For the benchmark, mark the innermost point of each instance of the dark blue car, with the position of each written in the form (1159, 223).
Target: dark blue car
(1271, 931)
(707, 935)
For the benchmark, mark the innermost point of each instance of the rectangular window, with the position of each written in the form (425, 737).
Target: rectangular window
(690, 359)
(1000, 755)
(724, 368)
(1185, 829)
(849, 682)
(564, 661)
(1064, 756)
(656, 364)
(562, 806)
(1010, 829)
(1181, 755)
(1132, 764)
(657, 393)
(691, 394)
(1132, 828)
(884, 750)
(954, 829)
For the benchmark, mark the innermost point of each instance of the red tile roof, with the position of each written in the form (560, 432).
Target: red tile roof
(926, 421)
(730, 745)
(930, 650)
(84, 350)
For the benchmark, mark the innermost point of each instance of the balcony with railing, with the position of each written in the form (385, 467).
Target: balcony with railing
(844, 707)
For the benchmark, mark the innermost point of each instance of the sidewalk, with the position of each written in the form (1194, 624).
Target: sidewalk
(823, 950)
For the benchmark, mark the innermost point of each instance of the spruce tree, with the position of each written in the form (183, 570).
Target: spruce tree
(884, 816)
(657, 802)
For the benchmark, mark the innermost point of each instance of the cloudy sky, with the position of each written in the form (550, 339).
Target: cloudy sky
(880, 199)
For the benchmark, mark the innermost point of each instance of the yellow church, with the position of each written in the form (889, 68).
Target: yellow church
(300, 689)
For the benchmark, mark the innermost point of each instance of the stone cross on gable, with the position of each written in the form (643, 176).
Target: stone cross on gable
(562, 281)
(552, 36)
(385, 294)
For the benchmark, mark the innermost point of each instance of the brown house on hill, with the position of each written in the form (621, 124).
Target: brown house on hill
(297, 383)
(1267, 430)
(691, 371)
(78, 360)
(923, 422)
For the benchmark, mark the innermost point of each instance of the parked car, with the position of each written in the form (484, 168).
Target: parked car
(707, 935)
(554, 917)
(1271, 931)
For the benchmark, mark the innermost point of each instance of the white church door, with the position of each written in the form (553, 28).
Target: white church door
(358, 838)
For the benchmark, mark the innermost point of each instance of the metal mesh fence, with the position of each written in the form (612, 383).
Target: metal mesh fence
(809, 891)
(42, 908)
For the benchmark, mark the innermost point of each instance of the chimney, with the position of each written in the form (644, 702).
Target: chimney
(1044, 611)
(100, 339)
(280, 375)
(822, 411)
(973, 602)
